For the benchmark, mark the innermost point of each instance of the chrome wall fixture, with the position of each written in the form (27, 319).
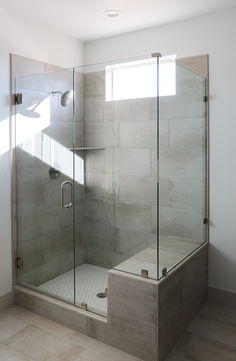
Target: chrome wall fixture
(63, 185)
(66, 97)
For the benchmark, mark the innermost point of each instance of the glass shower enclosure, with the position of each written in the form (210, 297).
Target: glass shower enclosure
(110, 172)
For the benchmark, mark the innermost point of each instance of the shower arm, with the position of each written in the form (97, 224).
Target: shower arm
(54, 92)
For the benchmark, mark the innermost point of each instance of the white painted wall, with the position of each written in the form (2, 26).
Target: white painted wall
(213, 34)
(21, 37)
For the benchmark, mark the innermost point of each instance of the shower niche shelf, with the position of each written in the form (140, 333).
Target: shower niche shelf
(87, 148)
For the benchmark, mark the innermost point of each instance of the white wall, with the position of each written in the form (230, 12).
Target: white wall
(213, 34)
(21, 37)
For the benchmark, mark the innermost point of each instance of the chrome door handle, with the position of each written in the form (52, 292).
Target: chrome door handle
(69, 204)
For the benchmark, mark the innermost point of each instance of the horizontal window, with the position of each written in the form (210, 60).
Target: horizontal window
(138, 79)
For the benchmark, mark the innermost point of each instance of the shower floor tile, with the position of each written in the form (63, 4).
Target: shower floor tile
(89, 281)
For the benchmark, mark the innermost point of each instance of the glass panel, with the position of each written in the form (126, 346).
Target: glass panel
(116, 203)
(182, 168)
(44, 160)
(115, 159)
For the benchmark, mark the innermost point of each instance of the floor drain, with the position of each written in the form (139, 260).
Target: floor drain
(102, 295)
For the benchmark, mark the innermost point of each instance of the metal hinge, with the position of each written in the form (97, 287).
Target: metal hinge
(19, 262)
(156, 55)
(164, 272)
(84, 306)
(205, 99)
(144, 273)
(17, 98)
(205, 220)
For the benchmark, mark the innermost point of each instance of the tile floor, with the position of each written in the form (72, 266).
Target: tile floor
(89, 281)
(25, 336)
(210, 337)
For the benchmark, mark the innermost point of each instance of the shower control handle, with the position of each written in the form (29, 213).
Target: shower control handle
(63, 185)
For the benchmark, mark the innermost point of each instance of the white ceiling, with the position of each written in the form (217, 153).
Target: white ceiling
(84, 19)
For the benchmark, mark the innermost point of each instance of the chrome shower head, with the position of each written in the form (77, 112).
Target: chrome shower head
(66, 98)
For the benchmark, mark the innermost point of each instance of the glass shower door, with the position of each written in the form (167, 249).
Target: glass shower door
(44, 179)
(100, 181)
(116, 187)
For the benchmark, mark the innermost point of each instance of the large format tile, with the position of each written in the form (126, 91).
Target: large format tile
(22, 66)
(98, 349)
(124, 291)
(127, 337)
(46, 340)
(135, 266)
(101, 186)
(169, 298)
(100, 211)
(133, 328)
(100, 134)
(53, 309)
(177, 356)
(181, 107)
(135, 339)
(96, 109)
(95, 162)
(129, 240)
(37, 344)
(30, 194)
(182, 164)
(181, 296)
(219, 313)
(6, 300)
(200, 349)
(182, 193)
(105, 233)
(144, 134)
(31, 82)
(198, 343)
(45, 324)
(47, 248)
(181, 223)
(133, 217)
(186, 79)
(132, 110)
(196, 64)
(7, 354)
(94, 84)
(61, 136)
(41, 339)
(133, 162)
(72, 353)
(48, 271)
(99, 256)
(137, 190)
(89, 355)
(9, 325)
(61, 80)
(187, 133)
(214, 331)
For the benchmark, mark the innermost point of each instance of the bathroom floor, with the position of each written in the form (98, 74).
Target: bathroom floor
(89, 281)
(210, 337)
(25, 336)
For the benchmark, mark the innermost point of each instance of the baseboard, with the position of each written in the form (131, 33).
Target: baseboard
(221, 296)
(6, 300)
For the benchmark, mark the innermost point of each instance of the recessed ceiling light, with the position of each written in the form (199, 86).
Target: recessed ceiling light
(112, 13)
